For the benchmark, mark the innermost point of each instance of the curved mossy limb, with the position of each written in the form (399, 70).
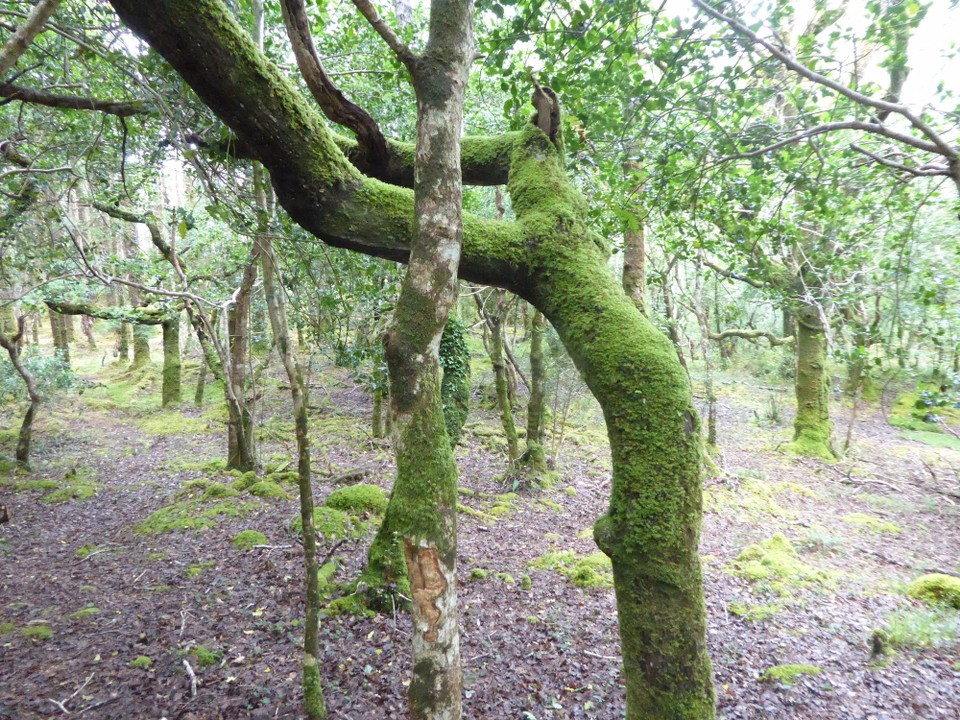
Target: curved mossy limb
(455, 386)
(812, 425)
(652, 527)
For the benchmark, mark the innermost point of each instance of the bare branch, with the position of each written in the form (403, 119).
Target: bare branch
(392, 40)
(331, 100)
(70, 102)
(942, 146)
(928, 170)
(753, 335)
(19, 42)
(732, 275)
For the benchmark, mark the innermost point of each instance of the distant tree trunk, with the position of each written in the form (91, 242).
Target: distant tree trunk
(812, 425)
(240, 448)
(68, 328)
(35, 328)
(201, 381)
(141, 346)
(534, 456)
(86, 323)
(123, 342)
(493, 340)
(703, 318)
(635, 266)
(377, 425)
(58, 328)
(673, 329)
(12, 346)
(455, 386)
(171, 362)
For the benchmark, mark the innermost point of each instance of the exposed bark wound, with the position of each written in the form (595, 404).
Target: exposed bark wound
(427, 584)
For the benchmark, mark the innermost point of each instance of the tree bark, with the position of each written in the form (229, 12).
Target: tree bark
(12, 346)
(18, 43)
(240, 449)
(86, 322)
(455, 385)
(58, 329)
(534, 457)
(494, 342)
(170, 392)
(812, 426)
(635, 266)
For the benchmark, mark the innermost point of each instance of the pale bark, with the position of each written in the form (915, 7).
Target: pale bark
(18, 43)
(12, 346)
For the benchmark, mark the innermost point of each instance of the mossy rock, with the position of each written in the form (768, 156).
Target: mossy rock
(268, 490)
(246, 539)
(936, 589)
(333, 524)
(505, 504)
(871, 523)
(358, 499)
(789, 674)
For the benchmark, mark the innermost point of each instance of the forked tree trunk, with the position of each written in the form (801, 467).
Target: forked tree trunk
(170, 393)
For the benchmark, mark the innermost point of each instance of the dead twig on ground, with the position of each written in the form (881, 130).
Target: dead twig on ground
(192, 675)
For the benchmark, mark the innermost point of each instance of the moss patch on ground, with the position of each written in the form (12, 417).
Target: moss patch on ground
(248, 538)
(754, 498)
(358, 499)
(588, 571)
(37, 632)
(936, 589)
(871, 523)
(173, 423)
(789, 674)
(84, 612)
(192, 514)
(333, 524)
(142, 662)
(775, 562)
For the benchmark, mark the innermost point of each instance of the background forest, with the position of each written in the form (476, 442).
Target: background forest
(201, 421)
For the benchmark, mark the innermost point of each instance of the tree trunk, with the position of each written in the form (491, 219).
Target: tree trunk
(812, 425)
(123, 342)
(201, 381)
(377, 429)
(534, 457)
(635, 266)
(240, 449)
(58, 328)
(703, 317)
(651, 529)
(314, 706)
(455, 386)
(493, 341)
(673, 328)
(12, 346)
(171, 362)
(86, 323)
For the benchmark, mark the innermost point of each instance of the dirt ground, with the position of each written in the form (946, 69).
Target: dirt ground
(101, 620)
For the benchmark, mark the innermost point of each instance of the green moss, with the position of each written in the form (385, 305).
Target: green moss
(85, 551)
(314, 706)
(6, 627)
(505, 504)
(191, 515)
(570, 490)
(246, 539)
(37, 632)
(467, 510)
(333, 524)
(550, 504)
(936, 589)
(246, 480)
(754, 613)
(506, 578)
(350, 605)
(754, 498)
(921, 628)
(84, 612)
(775, 562)
(526, 583)
(141, 662)
(173, 423)
(325, 574)
(478, 574)
(590, 571)
(37, 485)
(268, 490)
(871, 523)
(358, 499)
(933, 439)
(206, 657)
(197, 569)
(455, 384)
(789, 674)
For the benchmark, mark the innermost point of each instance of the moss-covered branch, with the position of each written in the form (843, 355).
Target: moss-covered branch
(753, 335)
(149, 315)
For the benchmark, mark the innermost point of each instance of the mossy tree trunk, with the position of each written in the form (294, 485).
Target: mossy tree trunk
(12, 345)
(493, 340)
(377, 425)
(812, 426)
(141, 346)
(170, 392)
(123, 342)
(534, 457)
(61, 347)
(455, 386)
(652, 526)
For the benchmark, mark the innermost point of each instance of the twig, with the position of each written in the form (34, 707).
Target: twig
(271, 547)
(192, 676)
(62, 704)
(601, 657)
(59, 705)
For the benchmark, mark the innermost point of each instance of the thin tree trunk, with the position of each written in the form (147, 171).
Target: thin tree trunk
(314, 706)
(673, 329)
(86, 323)
(141, 346)
(12, 346)
(201, 381)
(58, 328)
(635, 266)
(703, 318)
(494, 344)
(171, 362)
(377, 425)
(240, 450)
(534, 456)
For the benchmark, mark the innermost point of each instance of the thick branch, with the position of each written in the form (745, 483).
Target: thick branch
(727, 273)
(69, 102)
(753, 335)
(314, 181)
(331, 100)
(19, 42)
(137, 316)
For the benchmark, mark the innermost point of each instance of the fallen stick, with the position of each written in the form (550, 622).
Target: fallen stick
(193, 677)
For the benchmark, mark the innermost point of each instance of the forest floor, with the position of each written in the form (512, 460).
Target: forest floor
(103, 617)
